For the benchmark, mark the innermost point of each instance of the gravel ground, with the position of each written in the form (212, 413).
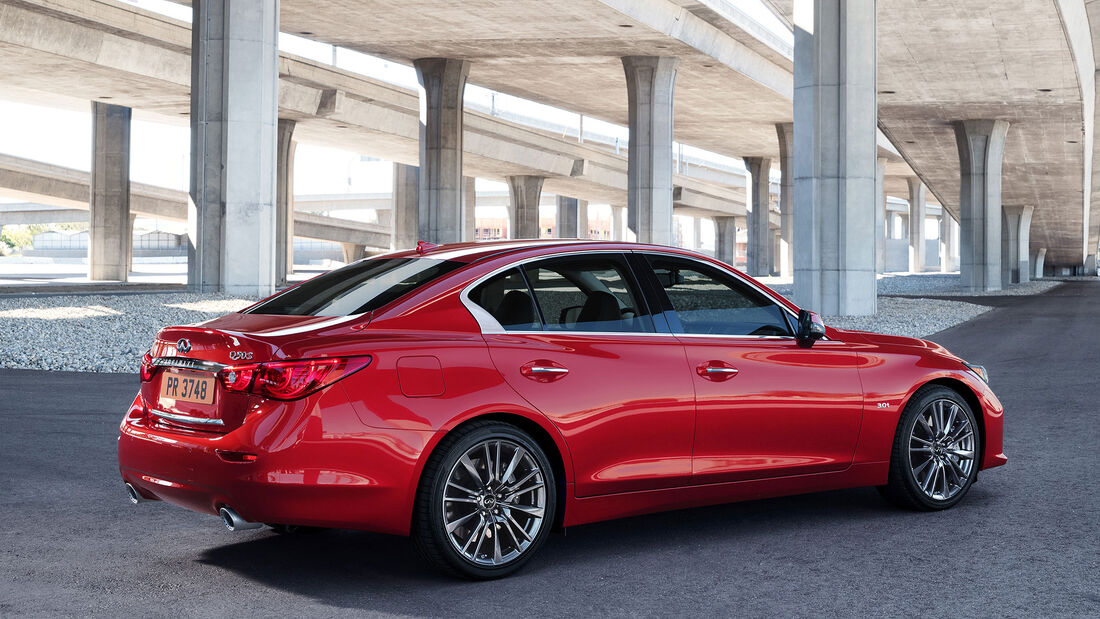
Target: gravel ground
(950, 285)
(96, 333)
(910, 317)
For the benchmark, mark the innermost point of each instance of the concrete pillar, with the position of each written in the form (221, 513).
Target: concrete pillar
(649, 83)
(758, 186)
(725, 239)
(880, 215)
(917, 195)
(785, 133)
(110, 235)
(566, 225)
(406, 206)
(1089, 268)
(524, 193)
(981, 149)
(584, 228)
(618, 220)
(697, 232)
(777, 247)
(469, 209)
(1040, 257)
(442, 84)
(353, 251)
(835, 115)
(284, 202)
(1016, 244)
(948, 244)
(234, 107)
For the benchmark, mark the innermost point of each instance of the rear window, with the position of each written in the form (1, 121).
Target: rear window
(357, 288)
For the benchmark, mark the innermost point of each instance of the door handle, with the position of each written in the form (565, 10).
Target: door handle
(543, 371)
(716, 370)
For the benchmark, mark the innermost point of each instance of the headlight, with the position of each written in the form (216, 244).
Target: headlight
(979, 370)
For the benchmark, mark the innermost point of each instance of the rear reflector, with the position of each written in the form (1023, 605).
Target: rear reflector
(289, 380)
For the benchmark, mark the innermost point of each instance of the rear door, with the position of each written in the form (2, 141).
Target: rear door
(765, 406)
(579, 343)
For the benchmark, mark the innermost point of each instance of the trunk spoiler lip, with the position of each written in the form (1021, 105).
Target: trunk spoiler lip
(188, 363)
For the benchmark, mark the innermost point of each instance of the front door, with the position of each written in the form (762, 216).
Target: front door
(765, 407)
(579, 344)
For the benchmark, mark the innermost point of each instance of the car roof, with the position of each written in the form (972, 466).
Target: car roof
(475, 251)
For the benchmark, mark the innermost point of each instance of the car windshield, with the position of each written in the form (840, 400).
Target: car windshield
(357, 288)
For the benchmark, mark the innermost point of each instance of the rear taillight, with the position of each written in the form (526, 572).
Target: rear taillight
(289, 380)
(147, 368)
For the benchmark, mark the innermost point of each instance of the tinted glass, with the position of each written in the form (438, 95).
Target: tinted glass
(507, 299)
(588, 294)
(359, 287)
(709, 302)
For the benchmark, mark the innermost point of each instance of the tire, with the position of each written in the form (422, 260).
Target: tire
(936, 451)
(496, 523)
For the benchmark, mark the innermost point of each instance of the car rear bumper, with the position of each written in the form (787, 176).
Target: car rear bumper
(314, 464)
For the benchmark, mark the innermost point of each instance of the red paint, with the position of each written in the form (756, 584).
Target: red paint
(638, 423)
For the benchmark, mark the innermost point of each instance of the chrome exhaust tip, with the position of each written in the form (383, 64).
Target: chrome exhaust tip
(233, 521)
(135, 496)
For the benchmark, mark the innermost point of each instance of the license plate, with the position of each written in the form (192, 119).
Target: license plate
(187, 387)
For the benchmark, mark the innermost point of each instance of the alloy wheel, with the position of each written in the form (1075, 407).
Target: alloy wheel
(941, 449)
(494, 502)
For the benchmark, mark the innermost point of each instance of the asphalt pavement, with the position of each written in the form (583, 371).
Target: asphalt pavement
(1025, 542)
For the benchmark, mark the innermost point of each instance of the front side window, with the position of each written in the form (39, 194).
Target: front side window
(357, 288)
(709, 302)
(588, 293)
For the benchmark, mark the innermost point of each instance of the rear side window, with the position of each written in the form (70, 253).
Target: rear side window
(709, 302)
(508, 300)
(357, 288)
(590, 293)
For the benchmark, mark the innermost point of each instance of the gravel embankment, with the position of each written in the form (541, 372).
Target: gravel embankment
(100, 333)
(950, 285)
(910, 317)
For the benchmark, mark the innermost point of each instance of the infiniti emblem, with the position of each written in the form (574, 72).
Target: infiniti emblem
(184, 345)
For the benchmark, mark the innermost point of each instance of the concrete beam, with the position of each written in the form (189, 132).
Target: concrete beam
(650, 81)
(981, 145)
(443, 83)
(110, 233)
(323, 228)
(234, 104)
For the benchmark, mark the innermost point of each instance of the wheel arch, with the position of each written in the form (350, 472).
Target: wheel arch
(554, 448)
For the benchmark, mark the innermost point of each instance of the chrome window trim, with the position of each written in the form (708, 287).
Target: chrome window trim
(188, 363)
(186, 418)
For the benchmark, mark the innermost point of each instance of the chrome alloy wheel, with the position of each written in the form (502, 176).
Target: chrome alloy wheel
(941, 449)
(494, 502)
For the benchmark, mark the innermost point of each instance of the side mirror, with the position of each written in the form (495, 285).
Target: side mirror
(810, 328)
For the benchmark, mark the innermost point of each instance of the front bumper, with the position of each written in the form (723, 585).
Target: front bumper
(315, 464)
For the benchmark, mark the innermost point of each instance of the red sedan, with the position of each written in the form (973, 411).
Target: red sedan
(476, 396)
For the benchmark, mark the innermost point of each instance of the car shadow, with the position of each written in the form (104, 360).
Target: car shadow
(368, 571)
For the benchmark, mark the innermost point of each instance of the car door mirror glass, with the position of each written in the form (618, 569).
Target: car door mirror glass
(810, 328)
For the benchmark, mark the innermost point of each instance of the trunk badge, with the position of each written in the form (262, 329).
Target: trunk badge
(184, 345)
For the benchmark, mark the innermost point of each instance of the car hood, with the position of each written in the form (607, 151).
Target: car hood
(887, 341)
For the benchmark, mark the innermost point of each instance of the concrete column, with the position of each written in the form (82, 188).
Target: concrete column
(917, 195)
(353, 251)
(524, 193)
(110, 235)
(981, 149)
(566, 225)
(1040, 257)
(758, 186)
(725, 239)
(1016, 244)
(406, 206)
(583, 226)
(835, 115)
(618, 220)
(284, 202)
(649, 83)
(442, 84)
(697, 232)
(469, 208)
(234, 107)
(1089, 268)
(777, 247)
(948, 245)
(785, 133)
(880, 215)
